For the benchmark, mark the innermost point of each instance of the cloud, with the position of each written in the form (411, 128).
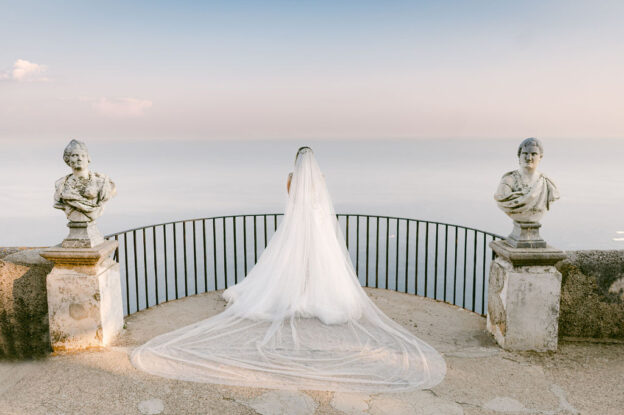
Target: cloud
(25, 71)
(121, 107)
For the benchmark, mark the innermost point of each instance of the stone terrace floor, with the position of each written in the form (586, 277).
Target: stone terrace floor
(582, 377)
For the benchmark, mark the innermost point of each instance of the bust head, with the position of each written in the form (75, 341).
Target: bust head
(76, 155)
(530, 152)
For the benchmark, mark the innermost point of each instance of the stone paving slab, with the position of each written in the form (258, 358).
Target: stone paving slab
(482, 379)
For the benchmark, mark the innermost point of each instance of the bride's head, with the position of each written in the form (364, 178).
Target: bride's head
(302, 150)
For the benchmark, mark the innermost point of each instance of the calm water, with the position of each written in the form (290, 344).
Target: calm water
(445, 180)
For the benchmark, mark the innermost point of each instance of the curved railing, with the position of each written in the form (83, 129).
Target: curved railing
(173, 260)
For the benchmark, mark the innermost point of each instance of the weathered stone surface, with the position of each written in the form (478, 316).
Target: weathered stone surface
(526, 235)
(8, 250)
(23, 305)
(283, 402)
(82, 235)
(505, 404)
(83, 383)
(591, 300)
(391, 406)
(523, 300)
(151, 407)
(564, 405)
(85, 305)
(84, 260)
(351, 403)
(413, 403)
(527, 256)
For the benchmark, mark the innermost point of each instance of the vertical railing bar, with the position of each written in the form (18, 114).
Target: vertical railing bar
(396, 266)
(255, 241)
(145, 270)
(136, 269)
(347, 233)
(245, 243)
(116, 255)
(435, 266)
(185, 264)
(427, 259)
(455, 270)
(166, 262)
(235, 251)
(205, 249)
(474, 271)
(465, 254)
(483, 280)
(416, 258)
(357, 247)
(274, 223)
(195, 257)
(377, 254)
(175, 260)
(225, 254)
(445, 256)
(265, 231)
(367, 243)
(214, 252)
(155, 265)
(127, 273)
(387, 248)
(407, 227)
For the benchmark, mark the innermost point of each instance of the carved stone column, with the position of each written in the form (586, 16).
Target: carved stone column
(84, 297)
(523, 297)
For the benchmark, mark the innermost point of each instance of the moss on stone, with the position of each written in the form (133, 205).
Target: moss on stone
(588, 308)
(24, 331)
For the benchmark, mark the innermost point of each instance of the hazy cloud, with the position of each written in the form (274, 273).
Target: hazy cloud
(121, 107)
(25, 71)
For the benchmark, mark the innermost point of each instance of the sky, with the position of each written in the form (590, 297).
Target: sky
(192, 70)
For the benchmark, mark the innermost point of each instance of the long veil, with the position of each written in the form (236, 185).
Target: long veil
(300, 319)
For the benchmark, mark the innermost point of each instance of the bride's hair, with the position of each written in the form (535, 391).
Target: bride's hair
(301, 151)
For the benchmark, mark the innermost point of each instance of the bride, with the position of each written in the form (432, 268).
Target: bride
(300, 319)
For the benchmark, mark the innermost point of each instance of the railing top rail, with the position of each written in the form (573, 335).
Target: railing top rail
(281, 214)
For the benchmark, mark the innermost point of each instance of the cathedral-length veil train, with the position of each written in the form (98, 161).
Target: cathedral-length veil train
(300, 319)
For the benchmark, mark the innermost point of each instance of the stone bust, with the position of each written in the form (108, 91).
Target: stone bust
(526, 194)
(83, 193)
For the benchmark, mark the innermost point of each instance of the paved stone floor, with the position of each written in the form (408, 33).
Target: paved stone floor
(581, 378)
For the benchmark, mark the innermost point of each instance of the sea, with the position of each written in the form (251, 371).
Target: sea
(445, 180)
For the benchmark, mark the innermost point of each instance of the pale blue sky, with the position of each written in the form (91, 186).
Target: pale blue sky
(311, 69)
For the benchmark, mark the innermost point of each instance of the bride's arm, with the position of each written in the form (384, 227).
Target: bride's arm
(288, 182)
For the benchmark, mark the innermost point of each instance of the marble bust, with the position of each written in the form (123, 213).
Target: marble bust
(525, 195)
(82, 195)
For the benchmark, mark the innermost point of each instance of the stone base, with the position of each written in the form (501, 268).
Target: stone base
(523, 297)
(526, 235)
(82, 235)
(84, 297)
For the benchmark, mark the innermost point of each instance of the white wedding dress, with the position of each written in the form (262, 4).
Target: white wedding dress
(300, 319)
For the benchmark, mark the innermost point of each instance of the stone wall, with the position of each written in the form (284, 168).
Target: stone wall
(592, 295)
(24, 329)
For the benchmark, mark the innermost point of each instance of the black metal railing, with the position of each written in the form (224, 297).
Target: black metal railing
(173, 260)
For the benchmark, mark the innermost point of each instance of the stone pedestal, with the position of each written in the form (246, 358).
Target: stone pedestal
(523, 297)
(84, 297)
(82, 235)
(526, 235)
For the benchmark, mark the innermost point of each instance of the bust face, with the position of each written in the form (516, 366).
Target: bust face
(530, 156)
(78, 159)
